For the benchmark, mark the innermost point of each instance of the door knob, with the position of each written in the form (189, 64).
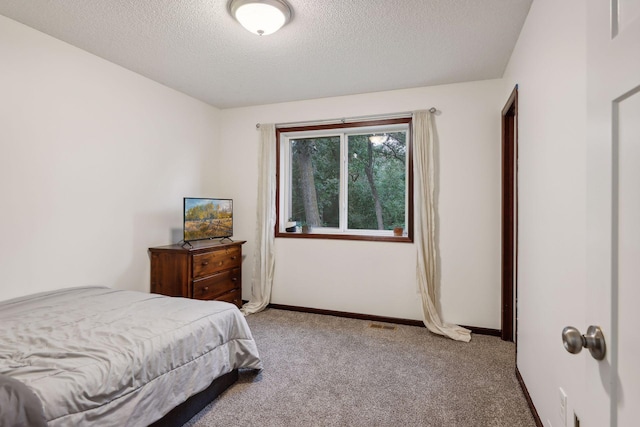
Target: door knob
(593, 340)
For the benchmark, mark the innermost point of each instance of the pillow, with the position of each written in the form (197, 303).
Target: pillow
(19, 406)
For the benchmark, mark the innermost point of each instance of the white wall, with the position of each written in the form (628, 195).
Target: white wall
(374, 277)
(94, 163)
(548, 64)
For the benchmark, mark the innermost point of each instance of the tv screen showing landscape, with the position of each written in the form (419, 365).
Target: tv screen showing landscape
(207, 218)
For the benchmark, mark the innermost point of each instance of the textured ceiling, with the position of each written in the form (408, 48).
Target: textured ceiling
(330, 48)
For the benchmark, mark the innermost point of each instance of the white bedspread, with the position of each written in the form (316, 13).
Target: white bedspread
(98, 356)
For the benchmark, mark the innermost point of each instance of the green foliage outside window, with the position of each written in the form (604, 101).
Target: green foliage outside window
(315, 186)
(375, 181)
(376, 184)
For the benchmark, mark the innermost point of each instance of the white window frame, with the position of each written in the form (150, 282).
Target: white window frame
(285, 195)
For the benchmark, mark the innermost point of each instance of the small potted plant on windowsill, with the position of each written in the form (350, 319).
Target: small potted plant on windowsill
(397, 231)
(306, 228)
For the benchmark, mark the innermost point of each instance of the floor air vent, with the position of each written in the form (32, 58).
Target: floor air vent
(379, 326)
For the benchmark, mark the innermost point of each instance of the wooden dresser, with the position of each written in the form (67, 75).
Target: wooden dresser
(207, 270)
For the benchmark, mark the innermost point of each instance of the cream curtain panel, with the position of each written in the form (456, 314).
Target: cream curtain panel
(264, 260)
(426, 228)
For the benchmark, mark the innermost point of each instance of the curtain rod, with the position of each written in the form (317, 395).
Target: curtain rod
(347, 119)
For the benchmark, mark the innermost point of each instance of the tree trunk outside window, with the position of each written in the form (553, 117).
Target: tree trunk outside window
(309, 197)
(374, 191)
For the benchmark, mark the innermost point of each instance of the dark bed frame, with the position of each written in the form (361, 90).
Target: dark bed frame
(182, 413)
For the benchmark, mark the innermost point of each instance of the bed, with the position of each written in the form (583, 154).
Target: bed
(104, 357)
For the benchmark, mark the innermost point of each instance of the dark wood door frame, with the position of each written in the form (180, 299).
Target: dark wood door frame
(509, 215)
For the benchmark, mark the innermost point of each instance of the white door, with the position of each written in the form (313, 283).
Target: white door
(613, 211)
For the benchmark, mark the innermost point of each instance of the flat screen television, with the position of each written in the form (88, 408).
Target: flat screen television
(207, 218)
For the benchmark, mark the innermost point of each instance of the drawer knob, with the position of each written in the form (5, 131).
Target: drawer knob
(234, 279)
(206, 288)
(220, 263)
(234, 257)
(205, 263)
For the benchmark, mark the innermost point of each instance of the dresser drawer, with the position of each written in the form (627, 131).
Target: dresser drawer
(216, 285)
(211, 262)
(234, 297)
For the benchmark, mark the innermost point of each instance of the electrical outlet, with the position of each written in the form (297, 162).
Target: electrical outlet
(563, 407)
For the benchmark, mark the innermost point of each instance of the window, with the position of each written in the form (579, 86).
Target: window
(346, 181)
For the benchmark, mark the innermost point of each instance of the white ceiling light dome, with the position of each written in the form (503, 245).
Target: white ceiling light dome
(261, 17)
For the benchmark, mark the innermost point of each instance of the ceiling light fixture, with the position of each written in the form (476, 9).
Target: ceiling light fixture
(261, 17)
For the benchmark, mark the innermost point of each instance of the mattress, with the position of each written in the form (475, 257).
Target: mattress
(105, 357)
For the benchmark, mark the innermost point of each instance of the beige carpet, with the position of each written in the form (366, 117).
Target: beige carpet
(330, 371)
